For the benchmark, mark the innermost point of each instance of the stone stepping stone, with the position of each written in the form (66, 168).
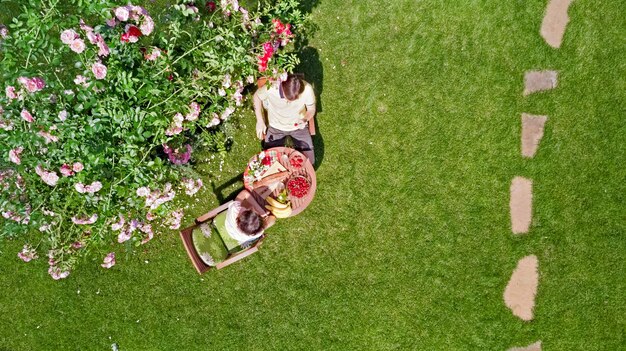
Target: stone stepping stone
(554, 22)
(532, 347)
(535, 81)
(519, 295)
(521, 204)
(532, 132)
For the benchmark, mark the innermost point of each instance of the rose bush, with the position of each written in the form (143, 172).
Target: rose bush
(101, 109)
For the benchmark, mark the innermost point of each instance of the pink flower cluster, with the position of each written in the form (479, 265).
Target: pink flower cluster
(109, 260)
(4, 31)
(68, 171)
(14, 155)
(282, 32)
(177, 156)
(27, 254)
(95, 39)
(153, 55)
(48, 177)
(56, 273)
(194, 112)
(10, 93)
(279, 37)
(227, 112)
(156, 198)
(214, 121)
(91, 188)
(85, 220)
(16, 217)
(175, 218)
(176, 127)
(191, 186)
(268, 51)
(139, 16)
(99, 70)
(48, 137)
(27, 116)
(54, 270)
(81, 80)
(71, 38)
(126, 230)
(32, 85)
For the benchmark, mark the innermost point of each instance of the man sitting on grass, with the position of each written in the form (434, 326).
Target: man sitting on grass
(290, 106)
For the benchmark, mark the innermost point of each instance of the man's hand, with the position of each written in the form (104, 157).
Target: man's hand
(260, 129)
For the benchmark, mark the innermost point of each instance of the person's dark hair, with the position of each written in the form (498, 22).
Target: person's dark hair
(292, 87)
(249, 222)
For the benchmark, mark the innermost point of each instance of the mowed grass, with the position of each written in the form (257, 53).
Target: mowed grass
(407, 245)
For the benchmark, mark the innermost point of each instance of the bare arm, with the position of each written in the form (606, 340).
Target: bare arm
(261, 128)
(258, 108)
(310, 113)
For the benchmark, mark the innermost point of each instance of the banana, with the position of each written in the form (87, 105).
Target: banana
(279, 212)
(274, 203)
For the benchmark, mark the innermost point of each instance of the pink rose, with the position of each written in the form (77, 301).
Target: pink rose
(27, 116)
(10, 91)
(56, 274)
(123, 236)
(85, 220)
(77, 45)
(80, 80)
(68, 35)
(103, 49)
(48, 137)
(143, 191)
(118, 225)
(95, 187)
(91, 36)
(27, 253)
(111, 22)
(109, 260)
(122, 14)
(77, 167)
(147, 26)
(80, 187)
(50, 178)
(66, 170)
(14, 155)
(99, 70)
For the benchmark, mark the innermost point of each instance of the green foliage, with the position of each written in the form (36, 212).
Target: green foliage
(87, 92)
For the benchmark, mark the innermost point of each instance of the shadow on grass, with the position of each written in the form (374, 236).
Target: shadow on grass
(219, 189)
(311, 66)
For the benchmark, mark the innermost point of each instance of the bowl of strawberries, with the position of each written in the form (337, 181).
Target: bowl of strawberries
(298, 186)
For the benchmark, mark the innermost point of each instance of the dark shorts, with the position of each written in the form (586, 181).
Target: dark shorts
(301, 139)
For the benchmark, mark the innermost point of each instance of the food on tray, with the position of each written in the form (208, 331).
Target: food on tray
(276, 177)
(298, 186)
(280, 212)
(296, 161)
(276, 204)
(274, 168)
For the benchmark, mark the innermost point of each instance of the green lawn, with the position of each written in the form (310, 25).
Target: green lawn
(407, 245)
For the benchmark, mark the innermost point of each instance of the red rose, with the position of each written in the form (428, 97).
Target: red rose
(134, 31)
(211, 6)
(266, 161)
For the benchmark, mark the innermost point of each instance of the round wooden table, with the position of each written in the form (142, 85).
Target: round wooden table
(283, 155)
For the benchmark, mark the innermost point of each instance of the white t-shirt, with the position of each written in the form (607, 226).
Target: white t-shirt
(231, 224)
(283, 114)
